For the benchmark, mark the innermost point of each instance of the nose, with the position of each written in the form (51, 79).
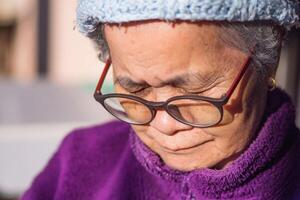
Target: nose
(166, 124)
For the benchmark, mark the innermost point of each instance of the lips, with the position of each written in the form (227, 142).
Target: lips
(181, 150)
(181, 142)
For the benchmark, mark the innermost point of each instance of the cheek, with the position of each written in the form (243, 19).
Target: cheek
(247, 107)
(140, 131)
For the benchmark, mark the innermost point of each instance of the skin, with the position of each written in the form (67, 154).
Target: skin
(152, 54)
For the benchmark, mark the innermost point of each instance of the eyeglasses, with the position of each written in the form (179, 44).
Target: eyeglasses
(194, 110)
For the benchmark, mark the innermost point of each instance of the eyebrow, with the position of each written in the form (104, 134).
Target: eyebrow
(186, 79)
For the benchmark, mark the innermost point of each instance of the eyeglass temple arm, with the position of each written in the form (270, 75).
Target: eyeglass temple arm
(238, 79)
(102, 77)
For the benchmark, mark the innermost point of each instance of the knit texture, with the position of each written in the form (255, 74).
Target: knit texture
(261, 172)
(109, 162)
(92, 12)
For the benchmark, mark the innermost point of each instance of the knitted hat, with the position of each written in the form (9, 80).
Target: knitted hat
(92, 13)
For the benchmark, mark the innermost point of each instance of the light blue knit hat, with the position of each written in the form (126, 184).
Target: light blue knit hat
(92, 13)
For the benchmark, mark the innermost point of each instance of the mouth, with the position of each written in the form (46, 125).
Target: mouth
(181, 143)
(182, 150)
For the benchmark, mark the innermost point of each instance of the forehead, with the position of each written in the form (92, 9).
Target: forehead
(162, 38)
(163, 50)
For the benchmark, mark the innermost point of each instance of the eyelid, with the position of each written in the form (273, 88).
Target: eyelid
(133, 89)
(186, 91)
(140, 91)
(129, 85)
(200, 84)
(129, 89)
(203, 89)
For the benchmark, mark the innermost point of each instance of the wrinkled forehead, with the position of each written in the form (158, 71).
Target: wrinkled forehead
(163, 50)
(162, 37)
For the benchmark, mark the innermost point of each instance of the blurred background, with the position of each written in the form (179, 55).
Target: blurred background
(48, 72)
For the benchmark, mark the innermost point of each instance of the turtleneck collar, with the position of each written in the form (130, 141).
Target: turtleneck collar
(262, 171)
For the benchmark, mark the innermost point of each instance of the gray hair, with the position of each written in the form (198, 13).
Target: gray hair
(262, 40)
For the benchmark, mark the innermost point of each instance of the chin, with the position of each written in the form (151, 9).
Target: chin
(183, 163)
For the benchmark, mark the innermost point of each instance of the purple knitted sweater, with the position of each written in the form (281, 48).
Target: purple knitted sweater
(110, 162)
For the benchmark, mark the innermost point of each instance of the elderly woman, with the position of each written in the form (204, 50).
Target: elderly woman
(195, 79)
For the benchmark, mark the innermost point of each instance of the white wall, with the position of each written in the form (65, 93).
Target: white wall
(72, 59)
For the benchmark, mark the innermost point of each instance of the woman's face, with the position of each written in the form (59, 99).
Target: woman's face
(158, 60)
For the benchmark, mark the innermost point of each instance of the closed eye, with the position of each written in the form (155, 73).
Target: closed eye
(200, 91)
(141, 92)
